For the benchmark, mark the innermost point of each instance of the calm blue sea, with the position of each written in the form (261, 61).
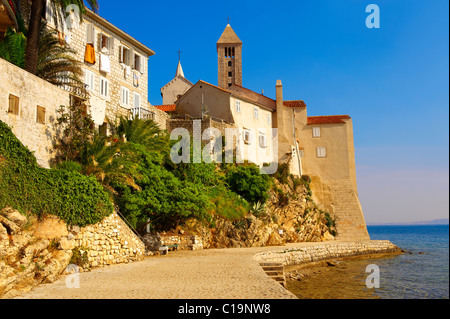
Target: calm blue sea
(423, 272)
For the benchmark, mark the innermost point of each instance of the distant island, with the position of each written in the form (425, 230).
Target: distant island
(442, 221)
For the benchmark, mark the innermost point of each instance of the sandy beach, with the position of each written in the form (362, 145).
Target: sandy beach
(204, 274)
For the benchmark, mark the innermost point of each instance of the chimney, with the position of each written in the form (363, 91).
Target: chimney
(279, 93)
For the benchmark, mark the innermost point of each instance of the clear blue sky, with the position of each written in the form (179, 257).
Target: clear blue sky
(392, 81)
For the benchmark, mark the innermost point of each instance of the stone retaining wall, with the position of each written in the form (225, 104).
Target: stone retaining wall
(109, 242)
(184, 242)
(313, 253)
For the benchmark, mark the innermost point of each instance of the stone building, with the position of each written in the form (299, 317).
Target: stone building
(115, 67)
(320, 147)
(176, 87)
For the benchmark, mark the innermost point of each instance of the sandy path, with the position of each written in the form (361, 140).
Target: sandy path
(204, 274)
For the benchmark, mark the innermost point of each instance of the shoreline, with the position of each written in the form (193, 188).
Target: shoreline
(232, 273)
(327, 250)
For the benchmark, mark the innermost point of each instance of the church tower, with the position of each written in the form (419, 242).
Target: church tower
(229, 52)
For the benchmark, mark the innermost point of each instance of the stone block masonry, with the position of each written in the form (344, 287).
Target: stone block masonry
(30, 92)
(109, 242)
(318, 252)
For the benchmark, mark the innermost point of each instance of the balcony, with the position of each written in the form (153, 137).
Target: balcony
(76, 89)
(142, 113)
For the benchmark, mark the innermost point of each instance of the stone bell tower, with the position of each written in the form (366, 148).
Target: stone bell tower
(229, 52)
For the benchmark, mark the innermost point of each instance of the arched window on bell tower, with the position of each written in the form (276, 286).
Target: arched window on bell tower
(229, 49)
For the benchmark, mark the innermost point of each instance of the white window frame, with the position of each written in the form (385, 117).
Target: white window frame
(269, 118)
(89, 80)
(104, 86)
(321, 152)
(90, 34)
(124, 97)
(129, 59)
(316, 131)
(139, 66)
(262, 140)
(238, 106)
(255, 113)
(109, 46)
(136, 97)
(247, 136)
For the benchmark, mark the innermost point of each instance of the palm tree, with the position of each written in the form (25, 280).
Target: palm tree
(144, 132)
(105, 161)
(12, 48)
(35, 23)
(56, 63)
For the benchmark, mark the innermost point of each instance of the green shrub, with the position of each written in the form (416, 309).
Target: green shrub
(247, 181)
(77, 199)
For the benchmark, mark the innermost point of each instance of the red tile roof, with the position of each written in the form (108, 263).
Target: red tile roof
(166, 108)
(331, 119)
(296, 103)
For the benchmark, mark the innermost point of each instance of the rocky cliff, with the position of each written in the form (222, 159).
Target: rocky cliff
(290, 215)
(26, 260)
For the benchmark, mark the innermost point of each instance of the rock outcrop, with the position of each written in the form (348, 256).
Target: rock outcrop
(25, 260)
(289, 216)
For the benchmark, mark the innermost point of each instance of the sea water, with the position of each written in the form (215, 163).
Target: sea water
(422, 272)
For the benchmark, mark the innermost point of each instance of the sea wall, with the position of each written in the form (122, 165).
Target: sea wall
(318, 252)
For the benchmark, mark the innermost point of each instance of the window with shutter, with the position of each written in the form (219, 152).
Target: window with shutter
(125, 96)
(238, 106)
(13, 105)
(255, 112)
(262, 141)
(321, 152)
(89, 80)
(40, 115)
(137, 100)
(90, 34)
(246, 136)
(137, 62)
(316, 131)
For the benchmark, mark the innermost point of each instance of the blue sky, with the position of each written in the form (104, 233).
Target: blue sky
(393, 81)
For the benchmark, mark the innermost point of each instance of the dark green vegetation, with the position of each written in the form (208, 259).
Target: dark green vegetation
(134, 167)
(73, 197)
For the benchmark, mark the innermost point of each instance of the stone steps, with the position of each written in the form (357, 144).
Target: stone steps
(274, 271)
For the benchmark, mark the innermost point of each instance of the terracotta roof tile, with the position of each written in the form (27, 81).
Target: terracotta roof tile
(330, 119)
(166, 108)
(296, 103)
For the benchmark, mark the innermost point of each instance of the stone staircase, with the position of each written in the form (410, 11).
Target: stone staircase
(275, 271)
(348, 213)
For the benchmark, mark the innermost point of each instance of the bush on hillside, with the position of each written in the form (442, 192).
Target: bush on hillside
(75, 198)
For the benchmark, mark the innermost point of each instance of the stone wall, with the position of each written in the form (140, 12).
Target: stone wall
(109, 242)
(184, 242)
(318, 252)
(31, 92)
